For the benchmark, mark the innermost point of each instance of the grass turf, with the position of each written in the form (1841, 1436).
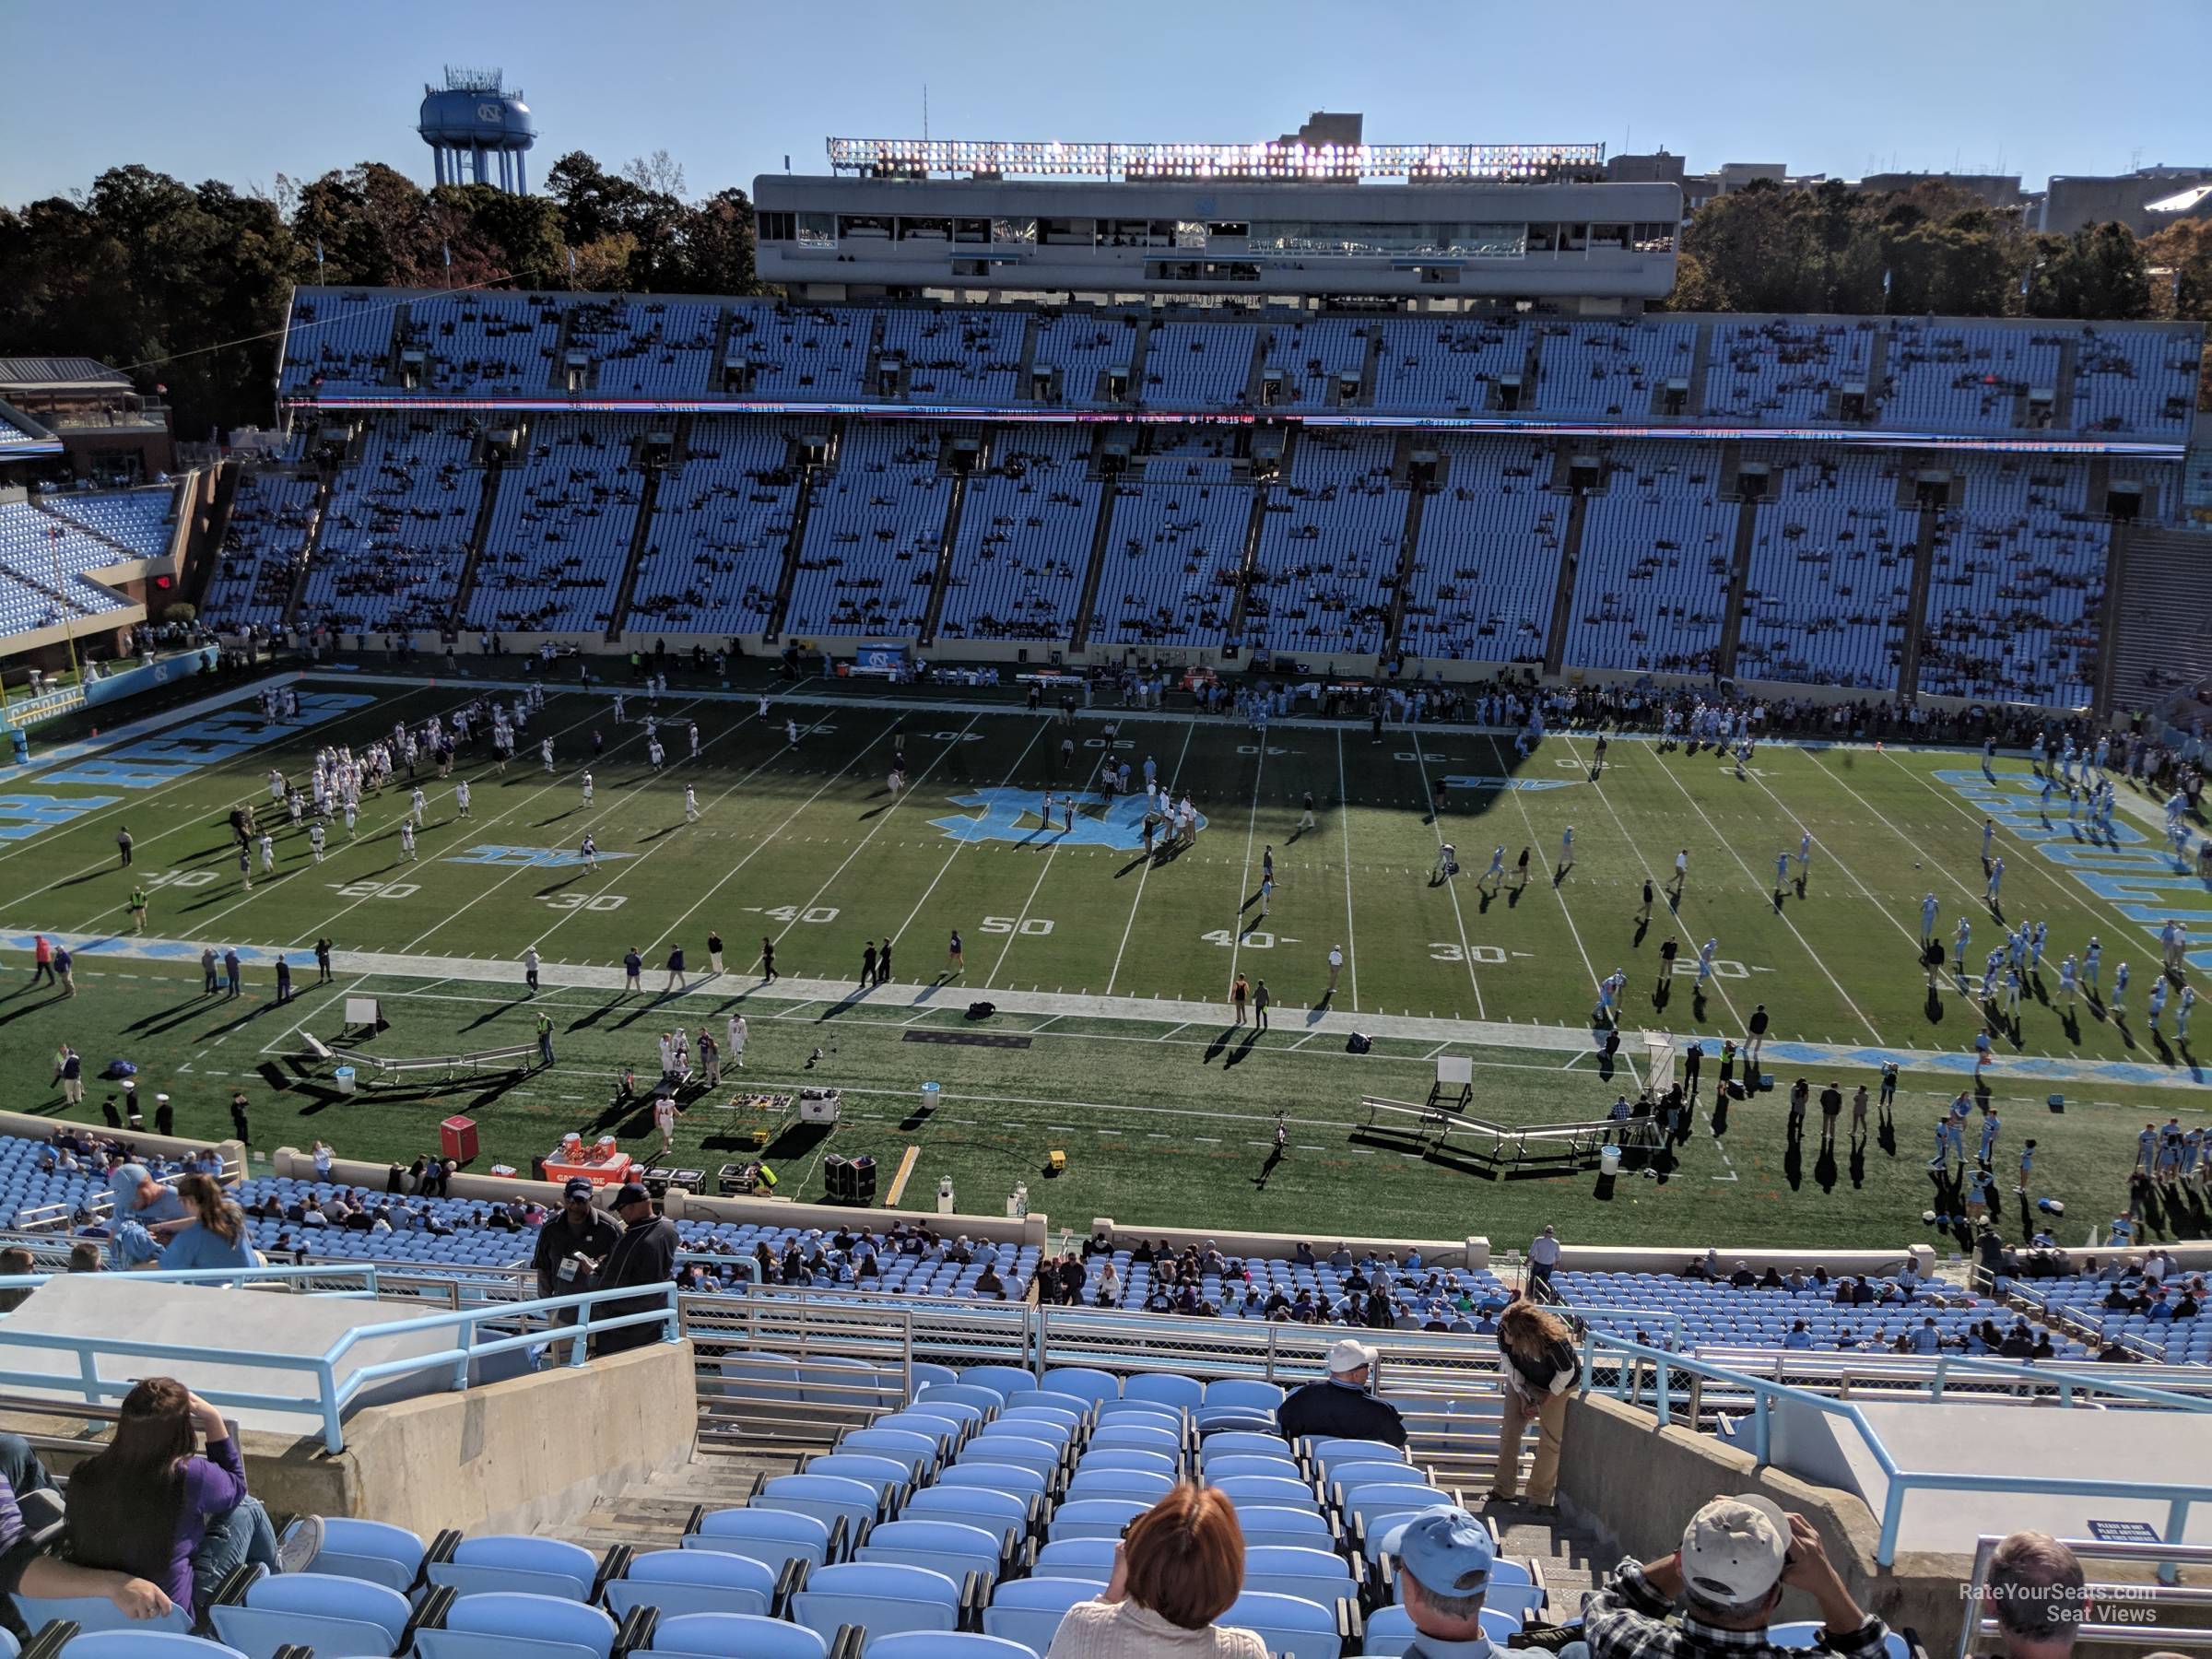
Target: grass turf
(803, 844)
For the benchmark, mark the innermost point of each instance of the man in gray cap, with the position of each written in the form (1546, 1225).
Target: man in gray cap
(1444, 1561)
(644, 1256)
(1341, 1408)
(1737, 1556)
(145, 1214)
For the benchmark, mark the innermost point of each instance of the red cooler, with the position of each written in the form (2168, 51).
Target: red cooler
(457, 1140)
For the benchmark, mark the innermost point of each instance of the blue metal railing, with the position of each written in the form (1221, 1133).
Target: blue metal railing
(2177, 1496)
(330, 1397)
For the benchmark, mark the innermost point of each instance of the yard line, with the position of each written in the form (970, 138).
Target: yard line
(1653, 876)
(1729, 847)
(1436, 823)
(613, 806)
(1251, 825)
(366, 841)
(139, 801)
(882, 817)
(1849, 874)
(729, 875)
(1144, 873)
(1013, 772)
(1344, 810)
(1044, 868)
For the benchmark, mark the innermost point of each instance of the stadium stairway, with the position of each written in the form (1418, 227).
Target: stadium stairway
(1409, 546)
(1562, 597)
(641, 537)
(957, 501)
(1923, 561)
(465, 588)
(651, 1513)
(1094, 567)
(1740, 581)
(802, 505)
(2162, 575)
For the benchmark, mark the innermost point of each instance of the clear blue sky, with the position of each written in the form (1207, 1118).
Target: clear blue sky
(249, 88)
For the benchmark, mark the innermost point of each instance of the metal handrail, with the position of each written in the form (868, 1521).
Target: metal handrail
(330, 1398)
(2178, 1496)
(2168, 1558)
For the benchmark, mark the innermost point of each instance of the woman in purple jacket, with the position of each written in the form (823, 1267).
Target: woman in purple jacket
(150, 1505)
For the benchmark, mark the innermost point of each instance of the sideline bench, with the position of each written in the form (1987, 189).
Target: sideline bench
(379, 1068)
(1575, 1145)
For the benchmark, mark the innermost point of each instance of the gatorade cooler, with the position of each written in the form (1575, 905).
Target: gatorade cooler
(457, 1140)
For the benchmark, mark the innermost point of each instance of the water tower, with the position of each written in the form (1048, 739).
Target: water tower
(471, 119)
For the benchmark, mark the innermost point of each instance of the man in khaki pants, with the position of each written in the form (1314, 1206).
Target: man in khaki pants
(1539, 1370)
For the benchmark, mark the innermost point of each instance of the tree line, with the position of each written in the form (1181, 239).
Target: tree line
(186, 286)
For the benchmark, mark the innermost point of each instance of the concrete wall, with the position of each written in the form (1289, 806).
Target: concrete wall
(1471, 1252)
(507, 1457)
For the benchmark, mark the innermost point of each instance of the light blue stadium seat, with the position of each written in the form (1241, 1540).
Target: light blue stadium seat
(1006, 1381)
(1045, 1428)
(692, 1581)
(1319, 1575)
(374, 1550)
(989, 1400)
(924, 1373)
(1370, 1502)
(942, 1429)
(1094, 1518)
(720, 1635)
(1272, 1523)
(1137, 1436)
(1004, 1514)
(882, 1597)
(828, 1497)
(1135, 1484)
(1149, 1412)
(1352, 1477)
(1241, 1443)
(138, 1642)
(512, 1562)
(511, 1625)
(956, 1644)
(1272, 1490)
(1055, 1400)
(339, 1617)
(1277, 1467)
(1328, 1454)
(1095, 1386)
(951, 1547)
(1302, 1630)
(1076, 1557)
(916, 1452)
(1119, 1457)
(883, 1475)
(770, 1537)
(993, 1474)
(1242, 1392)
(93, 1614)
(1185, 1393)
(1030, 1610)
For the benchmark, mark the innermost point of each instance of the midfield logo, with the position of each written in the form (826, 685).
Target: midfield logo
(1011, 815)
(529, 858)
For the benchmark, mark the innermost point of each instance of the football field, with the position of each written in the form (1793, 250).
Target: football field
(1114, 966)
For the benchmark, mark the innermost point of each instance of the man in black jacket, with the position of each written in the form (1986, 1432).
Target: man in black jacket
(573, 1246)
(1341, 1408)
(644, 1256)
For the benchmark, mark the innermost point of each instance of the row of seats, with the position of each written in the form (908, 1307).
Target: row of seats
(1951, 376)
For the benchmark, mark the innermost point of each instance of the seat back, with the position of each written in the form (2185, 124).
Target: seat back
(1316, 1575)
(92, 1613)
(1076, 1557)
(692, 1581)
(1145, 1486)
(504, 1624)
(769, 1537)
(1030, 1610)
(1328, 1454)
(511, 1561)
(1001, 1513)
(337, 1617)
(140, 1643)
(1241, 1443)
(956, 1644)
(1351, 1477)
(1303, 1630)
(1084, 1382)
(1040, 1455)
(884, 1597)
(1031, 1409)
(828, 1497)
(989, 1400)
(1299, 1528)
(1043, 1425)
(1006, 1381)
(1278, 1467)
(375, 1551)
(914, 1452)
(951, 1547)
(1127, 1457)
(1183, 1393)
(1239, 1392)
(1136, 1437)
(718, 1635)
(1271, 1490)
(1094, 1518)
(884, 1476)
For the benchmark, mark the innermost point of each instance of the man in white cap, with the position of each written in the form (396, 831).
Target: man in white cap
(1341, 1408)
(1444, 1561)
(1737, 1556)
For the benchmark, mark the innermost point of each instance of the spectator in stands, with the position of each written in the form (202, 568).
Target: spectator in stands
(1444, 1561)
(1540, 1368)
(84, 1257)
(644, 1256)
(1340, 1407)
(26, 1569)
(1737, 1556)
(1542, 1255)
(571, 1245)
(149, 1506)
(2037, 1594)
(147, 1215)
(215, 1236)
(15, 1262)
(1178, 1569)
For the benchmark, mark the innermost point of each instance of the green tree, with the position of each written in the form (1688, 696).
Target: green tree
(2100, 272)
